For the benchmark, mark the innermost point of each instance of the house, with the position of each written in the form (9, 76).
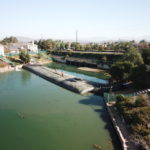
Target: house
(2, 50)
(15, 48)
(32, 47)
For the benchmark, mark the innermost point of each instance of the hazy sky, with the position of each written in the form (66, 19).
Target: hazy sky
(60, 18)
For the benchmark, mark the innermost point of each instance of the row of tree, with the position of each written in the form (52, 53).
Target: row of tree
(50, 44)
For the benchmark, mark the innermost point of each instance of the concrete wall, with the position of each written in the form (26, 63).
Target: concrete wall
(117, 129)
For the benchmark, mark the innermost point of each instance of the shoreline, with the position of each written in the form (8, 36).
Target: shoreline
(17, 67)
(6, 69)
(120, 128)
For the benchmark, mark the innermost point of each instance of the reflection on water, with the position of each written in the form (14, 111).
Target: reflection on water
(42, 116)
(25, 76)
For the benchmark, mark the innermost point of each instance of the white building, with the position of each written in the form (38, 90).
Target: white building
(2, 50)
(32, 47)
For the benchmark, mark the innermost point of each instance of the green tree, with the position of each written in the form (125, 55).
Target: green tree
(121, 71)
(141, 77)
(10, 39)
(67, 45)
(88, 47)
(24, 56)
(77, 46)
(73, 45)
(62, 45)
(146, 56)
(134, 56)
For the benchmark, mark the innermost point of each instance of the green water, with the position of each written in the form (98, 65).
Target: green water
(74, 69)
(53, 118)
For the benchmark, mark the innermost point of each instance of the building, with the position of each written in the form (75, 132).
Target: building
(15, 48)
(32, 47)
(2, 50)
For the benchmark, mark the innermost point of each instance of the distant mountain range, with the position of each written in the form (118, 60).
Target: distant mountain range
(91, 39)
(24, 39)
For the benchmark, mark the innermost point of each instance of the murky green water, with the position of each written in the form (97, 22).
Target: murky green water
(74, 69)
(38, 115)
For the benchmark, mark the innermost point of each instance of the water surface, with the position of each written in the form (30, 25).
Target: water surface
(95, 76)
(38, 115)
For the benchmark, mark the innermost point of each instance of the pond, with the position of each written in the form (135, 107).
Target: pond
(38, 115)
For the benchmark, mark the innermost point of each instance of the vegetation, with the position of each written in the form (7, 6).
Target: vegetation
(49, 44)
(24, 56)
(121, 46)
(146, 55)
(14, 59)
(136, 113)
(8, 40)
(134, 66)
(121, 70)
(129, 60)
(140, 76)
(91, 55)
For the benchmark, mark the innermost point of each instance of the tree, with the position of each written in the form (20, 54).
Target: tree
(141, 77)
(134, 56)
(146, 56)
(88, 47)
(67, 45)
(10, 39)
(73, 45)
(121, 71)
(77, 46)
(24, 56)
(62, 46)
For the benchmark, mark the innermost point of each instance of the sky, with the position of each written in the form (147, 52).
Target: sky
(59, 19)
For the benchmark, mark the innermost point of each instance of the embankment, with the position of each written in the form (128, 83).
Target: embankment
(64, 80)
(101, 60)
(121, 130)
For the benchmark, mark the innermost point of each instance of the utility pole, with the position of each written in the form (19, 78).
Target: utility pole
(76, 36)
(76, 39)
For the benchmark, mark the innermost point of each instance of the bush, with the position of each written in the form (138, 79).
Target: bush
(136, 114)
(141, 102)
